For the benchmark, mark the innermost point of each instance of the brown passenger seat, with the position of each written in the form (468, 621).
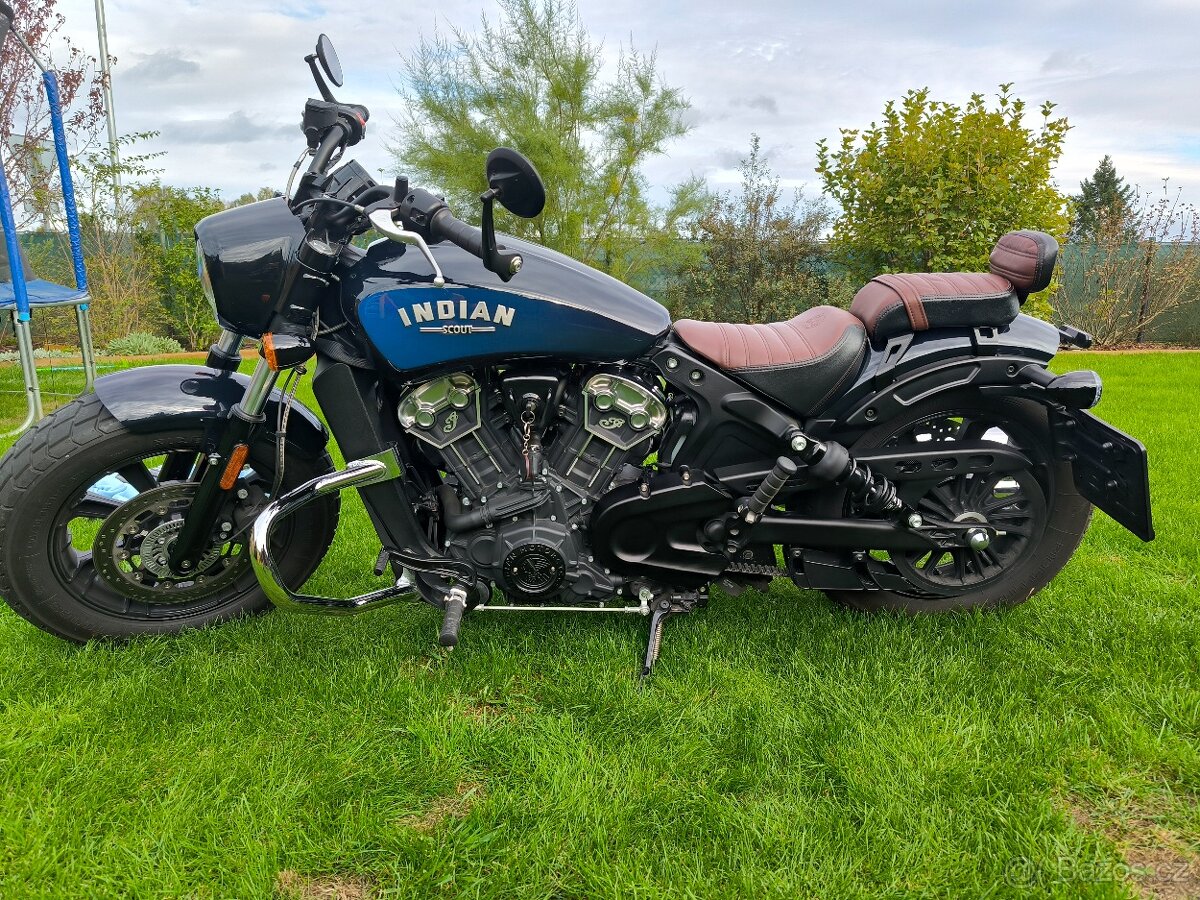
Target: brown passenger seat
(803, 362)
(1021, 263)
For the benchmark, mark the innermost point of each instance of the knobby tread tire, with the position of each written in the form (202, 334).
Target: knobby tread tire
(71, 432)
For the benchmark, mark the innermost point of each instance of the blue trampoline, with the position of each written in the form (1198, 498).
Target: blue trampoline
(20, 294)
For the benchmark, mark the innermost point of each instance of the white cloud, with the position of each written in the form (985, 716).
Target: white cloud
(1124, 74)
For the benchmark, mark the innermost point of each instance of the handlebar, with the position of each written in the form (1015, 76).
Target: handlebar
(329, 145)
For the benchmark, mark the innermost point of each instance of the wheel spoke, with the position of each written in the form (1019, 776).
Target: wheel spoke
(138, 476)
(93, 507)
(1012, 526)
(996, 504)
(946, 499)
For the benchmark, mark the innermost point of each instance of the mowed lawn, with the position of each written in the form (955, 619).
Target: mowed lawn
(784, 747)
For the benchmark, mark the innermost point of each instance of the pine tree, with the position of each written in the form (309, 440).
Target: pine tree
(1103, 200)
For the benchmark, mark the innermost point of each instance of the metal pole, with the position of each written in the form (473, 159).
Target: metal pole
(109, 111)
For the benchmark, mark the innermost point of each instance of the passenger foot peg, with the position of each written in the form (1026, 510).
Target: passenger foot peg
(456, 606)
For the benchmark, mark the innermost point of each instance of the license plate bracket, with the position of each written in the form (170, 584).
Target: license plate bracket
(1111, 468)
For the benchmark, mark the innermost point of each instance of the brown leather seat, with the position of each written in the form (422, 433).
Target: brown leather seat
(803, 362)
(1021, 263)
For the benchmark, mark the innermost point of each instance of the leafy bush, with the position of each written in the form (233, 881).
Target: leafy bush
(760, 257)
(9, 356)
(142, 343)
(932, 185)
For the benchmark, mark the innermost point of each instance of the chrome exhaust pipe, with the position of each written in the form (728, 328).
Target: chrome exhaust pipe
(359, 473)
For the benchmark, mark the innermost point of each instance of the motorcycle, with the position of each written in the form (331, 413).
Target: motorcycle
(531, 435)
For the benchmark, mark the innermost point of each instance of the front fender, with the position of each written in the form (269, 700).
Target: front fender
(160, 398)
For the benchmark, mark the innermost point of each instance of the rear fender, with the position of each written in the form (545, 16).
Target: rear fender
(913, 367)
(162, 398)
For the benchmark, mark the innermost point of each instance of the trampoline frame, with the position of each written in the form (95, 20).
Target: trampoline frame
(21, 310)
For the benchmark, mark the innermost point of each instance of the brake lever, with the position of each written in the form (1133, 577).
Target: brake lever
(381, 221)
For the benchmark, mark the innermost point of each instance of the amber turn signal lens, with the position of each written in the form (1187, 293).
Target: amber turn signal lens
(237, 459)
(268, 349)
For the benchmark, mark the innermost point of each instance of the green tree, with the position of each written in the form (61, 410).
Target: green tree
(263, 193)
(760, 257)
(1103, 200)
(935, 185)
(532, 81)
(166, 217)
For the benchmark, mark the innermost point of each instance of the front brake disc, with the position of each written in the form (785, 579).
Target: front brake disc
(131, 549)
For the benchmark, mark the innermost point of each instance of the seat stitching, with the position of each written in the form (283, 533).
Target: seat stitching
(883, 312)
(800, 364)
(803, 337)
(762, 333)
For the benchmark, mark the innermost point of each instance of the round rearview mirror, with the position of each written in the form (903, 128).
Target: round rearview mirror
(329, 60)
(516, 182)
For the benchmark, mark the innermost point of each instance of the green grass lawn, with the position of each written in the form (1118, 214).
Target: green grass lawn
(784, 748)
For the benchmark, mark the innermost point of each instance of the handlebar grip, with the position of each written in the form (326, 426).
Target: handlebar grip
(456, 231)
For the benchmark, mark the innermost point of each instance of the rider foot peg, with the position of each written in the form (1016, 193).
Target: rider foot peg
(768, 489)
(456, 605)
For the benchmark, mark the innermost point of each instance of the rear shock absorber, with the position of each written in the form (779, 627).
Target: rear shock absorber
(875, 493)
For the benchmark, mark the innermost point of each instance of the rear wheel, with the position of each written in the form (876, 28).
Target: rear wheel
(89, 511)
(1038, 516)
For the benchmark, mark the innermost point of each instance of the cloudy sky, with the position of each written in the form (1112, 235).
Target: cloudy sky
(224, 82)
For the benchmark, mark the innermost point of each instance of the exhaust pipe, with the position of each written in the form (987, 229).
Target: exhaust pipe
(359, 473)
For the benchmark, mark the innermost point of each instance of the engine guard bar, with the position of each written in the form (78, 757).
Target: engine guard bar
(359, 473)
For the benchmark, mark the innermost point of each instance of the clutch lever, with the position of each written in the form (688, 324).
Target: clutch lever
(381, 221)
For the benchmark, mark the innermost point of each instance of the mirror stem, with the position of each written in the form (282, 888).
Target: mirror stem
(326, 94)
(504, 264)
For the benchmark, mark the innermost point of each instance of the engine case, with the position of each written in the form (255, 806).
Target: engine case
(600, 433)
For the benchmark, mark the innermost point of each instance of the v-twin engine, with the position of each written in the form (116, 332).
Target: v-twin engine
(527, 456)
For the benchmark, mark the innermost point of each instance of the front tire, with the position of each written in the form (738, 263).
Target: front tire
(1055, 515)
(57, 500)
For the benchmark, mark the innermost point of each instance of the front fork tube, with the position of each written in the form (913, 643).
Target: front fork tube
(224, 464)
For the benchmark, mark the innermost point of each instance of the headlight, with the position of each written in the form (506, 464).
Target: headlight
(205, 280)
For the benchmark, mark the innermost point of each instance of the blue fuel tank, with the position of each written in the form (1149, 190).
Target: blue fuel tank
(554, 306)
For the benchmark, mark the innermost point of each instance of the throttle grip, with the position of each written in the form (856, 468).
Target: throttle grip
(445, 225)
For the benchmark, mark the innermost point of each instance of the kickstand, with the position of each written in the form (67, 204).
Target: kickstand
(664, 607)
(663, 610)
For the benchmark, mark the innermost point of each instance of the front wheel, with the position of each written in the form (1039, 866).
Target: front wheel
(1038, 515)
(88, 513)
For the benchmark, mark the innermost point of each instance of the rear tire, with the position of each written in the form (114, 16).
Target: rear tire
(47, 497)
(1066, 513)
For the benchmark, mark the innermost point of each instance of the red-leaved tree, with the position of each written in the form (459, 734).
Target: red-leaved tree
(25, 128)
